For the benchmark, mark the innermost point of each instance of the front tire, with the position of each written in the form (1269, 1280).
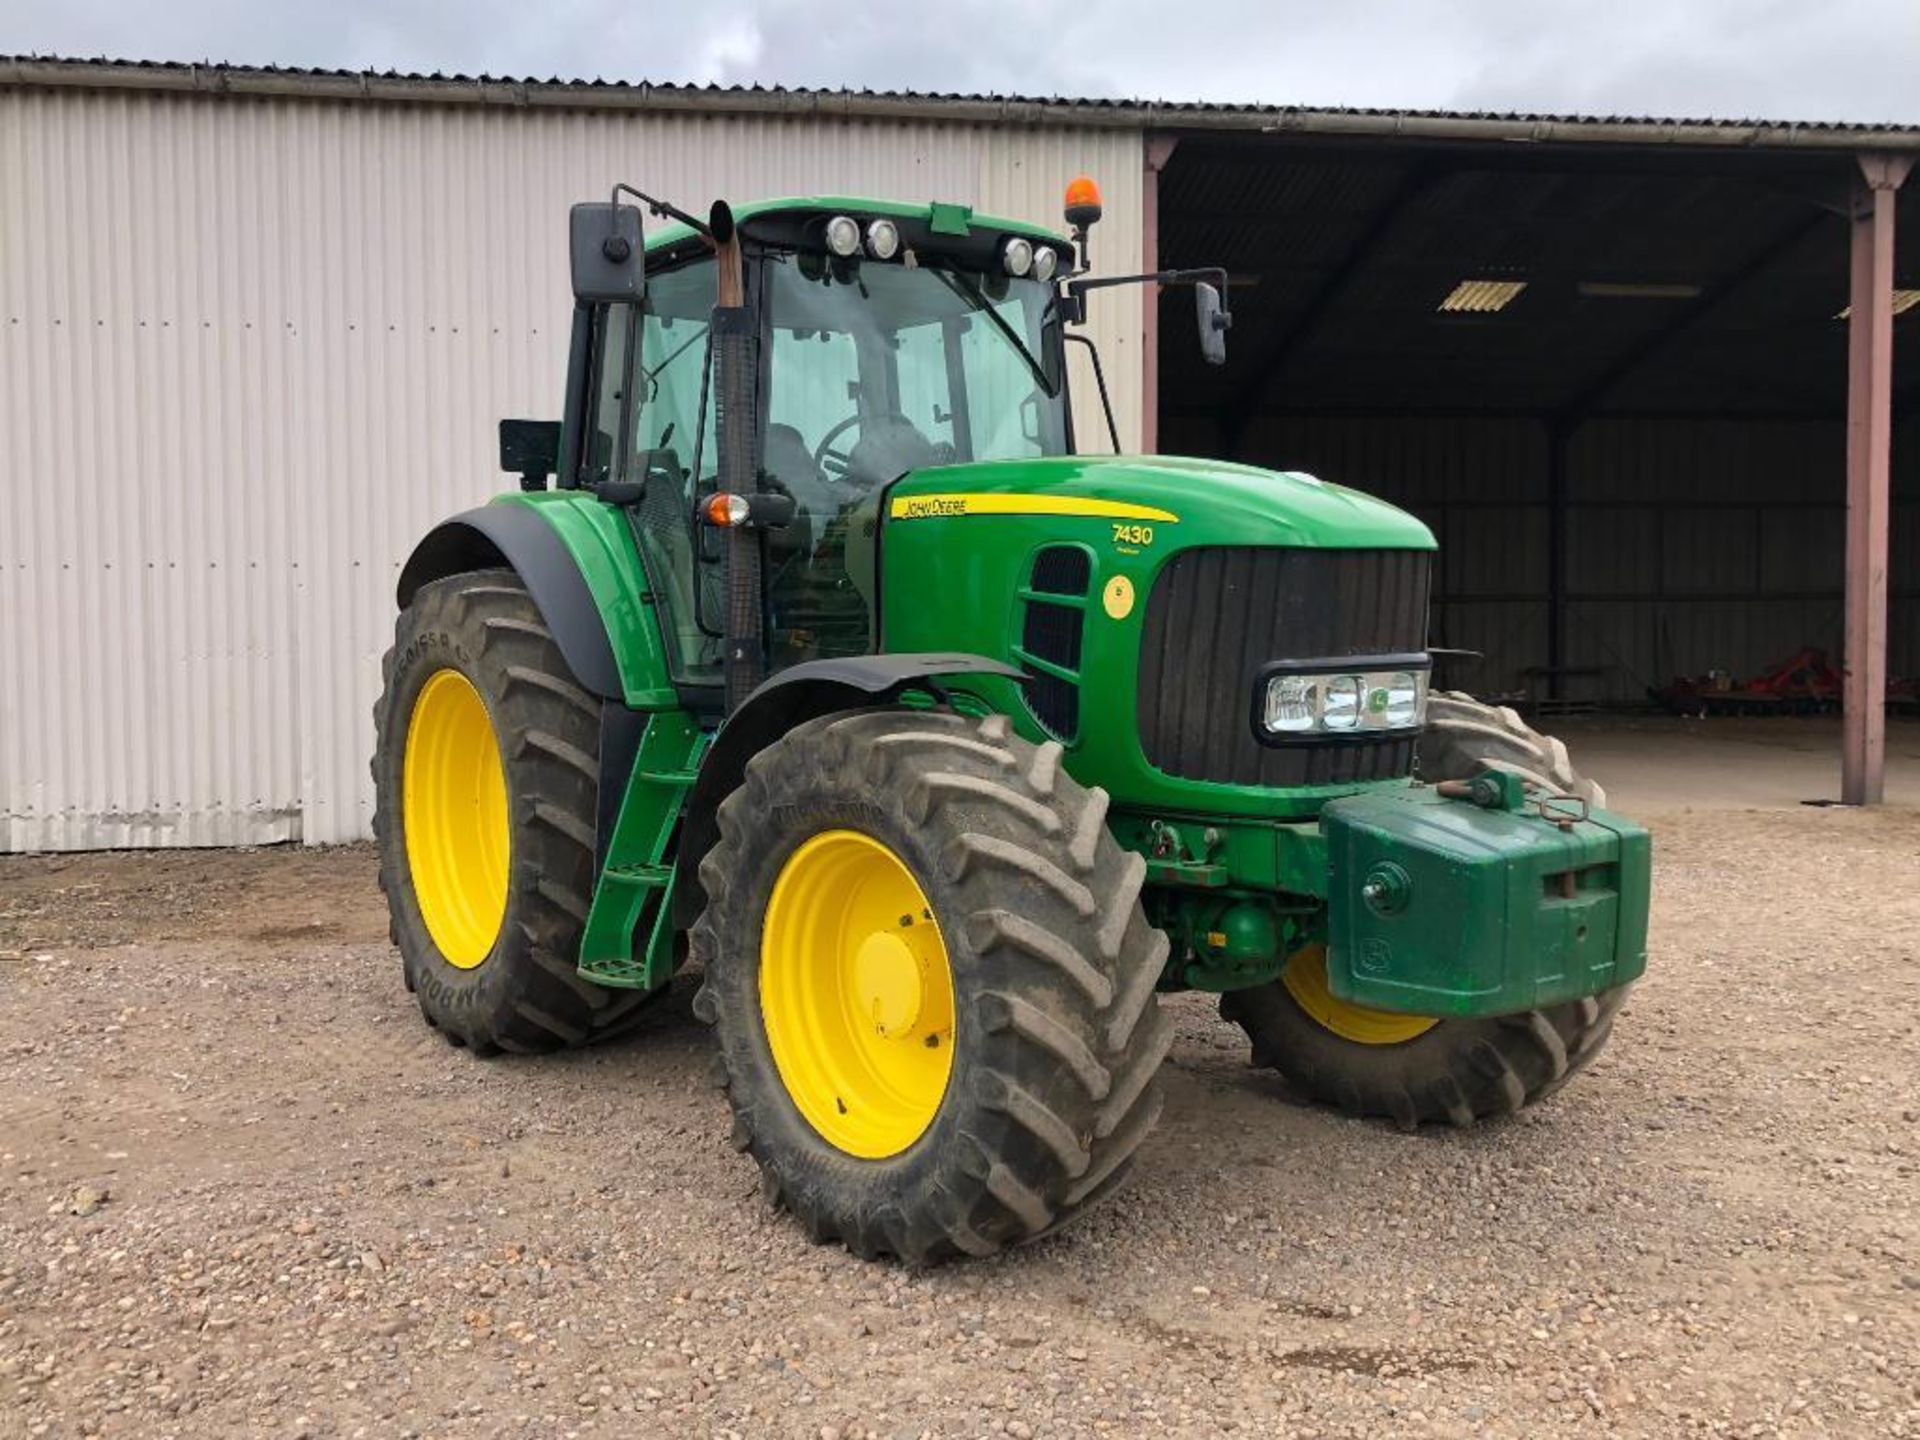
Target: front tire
(932, 984)
(487, 790)
(1414, 1069)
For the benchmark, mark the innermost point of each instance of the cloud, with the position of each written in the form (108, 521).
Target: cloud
(729, 53)
(1781, 59)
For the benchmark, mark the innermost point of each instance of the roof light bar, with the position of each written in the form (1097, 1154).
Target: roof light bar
(1481, 297)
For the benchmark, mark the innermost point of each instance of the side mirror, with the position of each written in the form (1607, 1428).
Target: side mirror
(607, 252)
(531, 450)
(1214, 323)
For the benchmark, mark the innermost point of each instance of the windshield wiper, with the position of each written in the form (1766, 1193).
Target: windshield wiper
(967, 290)
(653, 375)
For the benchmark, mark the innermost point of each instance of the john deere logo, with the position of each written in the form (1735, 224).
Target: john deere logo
(1377, 699)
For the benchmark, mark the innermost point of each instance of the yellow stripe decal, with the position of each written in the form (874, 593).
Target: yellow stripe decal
(928, 507)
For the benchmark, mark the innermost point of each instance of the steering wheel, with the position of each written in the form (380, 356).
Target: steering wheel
(832, 463)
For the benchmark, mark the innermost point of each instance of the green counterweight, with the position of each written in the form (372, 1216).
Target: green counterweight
(1437, 907)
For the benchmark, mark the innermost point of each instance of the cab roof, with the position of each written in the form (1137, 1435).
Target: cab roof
(940, 217)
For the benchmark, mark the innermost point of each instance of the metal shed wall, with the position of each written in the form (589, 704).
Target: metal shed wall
(252, 348)
(1691, 544)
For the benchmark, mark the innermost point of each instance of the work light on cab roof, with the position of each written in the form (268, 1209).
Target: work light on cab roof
(883, 239)
(826, 652)
(843, 235)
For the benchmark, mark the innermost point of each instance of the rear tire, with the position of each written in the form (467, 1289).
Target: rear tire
(1454, 1070)
(521, 992)
(1055, 1034)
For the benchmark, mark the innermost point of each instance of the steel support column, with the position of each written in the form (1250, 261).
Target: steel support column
(1159, 150)
(1869, 428)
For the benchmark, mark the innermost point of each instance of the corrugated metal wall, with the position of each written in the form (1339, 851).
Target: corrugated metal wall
(1691, 544)
(252, 349)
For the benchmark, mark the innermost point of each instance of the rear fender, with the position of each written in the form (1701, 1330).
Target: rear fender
(584, 575)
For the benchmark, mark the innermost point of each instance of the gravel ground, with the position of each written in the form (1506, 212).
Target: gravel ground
(244, 1190)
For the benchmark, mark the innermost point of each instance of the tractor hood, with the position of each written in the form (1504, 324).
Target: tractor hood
(1143, 597)
(1213, 502)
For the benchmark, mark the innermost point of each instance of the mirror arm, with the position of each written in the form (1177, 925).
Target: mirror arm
(1076, 308)
(664, 208)
(1213, 273)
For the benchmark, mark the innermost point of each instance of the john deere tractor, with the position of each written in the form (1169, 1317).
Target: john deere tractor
(816, 655)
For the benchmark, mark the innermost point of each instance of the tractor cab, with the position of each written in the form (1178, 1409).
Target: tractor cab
(887, 339)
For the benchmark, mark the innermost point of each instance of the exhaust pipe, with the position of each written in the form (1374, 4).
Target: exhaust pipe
(736, 374)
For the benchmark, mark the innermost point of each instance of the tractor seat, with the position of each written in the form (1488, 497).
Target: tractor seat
(789, 463)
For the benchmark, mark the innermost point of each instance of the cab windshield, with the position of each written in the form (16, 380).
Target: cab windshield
(876, 369)
(880, 368)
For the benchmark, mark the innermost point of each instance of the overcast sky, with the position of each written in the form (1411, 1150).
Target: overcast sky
(1779, 59)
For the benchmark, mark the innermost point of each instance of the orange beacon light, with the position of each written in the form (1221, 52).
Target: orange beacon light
(1083, 202)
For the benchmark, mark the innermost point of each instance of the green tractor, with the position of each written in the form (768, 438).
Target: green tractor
(813, 649)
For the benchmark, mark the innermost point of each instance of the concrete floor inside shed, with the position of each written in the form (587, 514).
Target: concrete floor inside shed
(1653, 764)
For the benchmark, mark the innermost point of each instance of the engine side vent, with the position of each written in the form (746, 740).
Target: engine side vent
(1051, 629)
(1062, 570)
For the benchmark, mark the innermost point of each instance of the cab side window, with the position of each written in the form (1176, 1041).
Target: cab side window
(612, 352)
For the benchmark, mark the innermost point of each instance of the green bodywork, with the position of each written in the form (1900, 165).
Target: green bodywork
(1238, 875)
(953, 582)
(1427, 905)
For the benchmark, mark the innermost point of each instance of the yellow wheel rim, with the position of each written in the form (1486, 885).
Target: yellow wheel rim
(857, 994)
(1305, 977)
(455, 817)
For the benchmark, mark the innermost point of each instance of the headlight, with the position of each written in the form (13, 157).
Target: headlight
(1045, 260)
(1341, 710)
(1405, 694)
(1017, 256)
(1293, 703)
(843, 235)
(1305, 702)
(883, 239)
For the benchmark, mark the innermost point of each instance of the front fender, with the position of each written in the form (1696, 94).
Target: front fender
(790, 698)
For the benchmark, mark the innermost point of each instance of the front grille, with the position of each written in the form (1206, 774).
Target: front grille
(1218, 614)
